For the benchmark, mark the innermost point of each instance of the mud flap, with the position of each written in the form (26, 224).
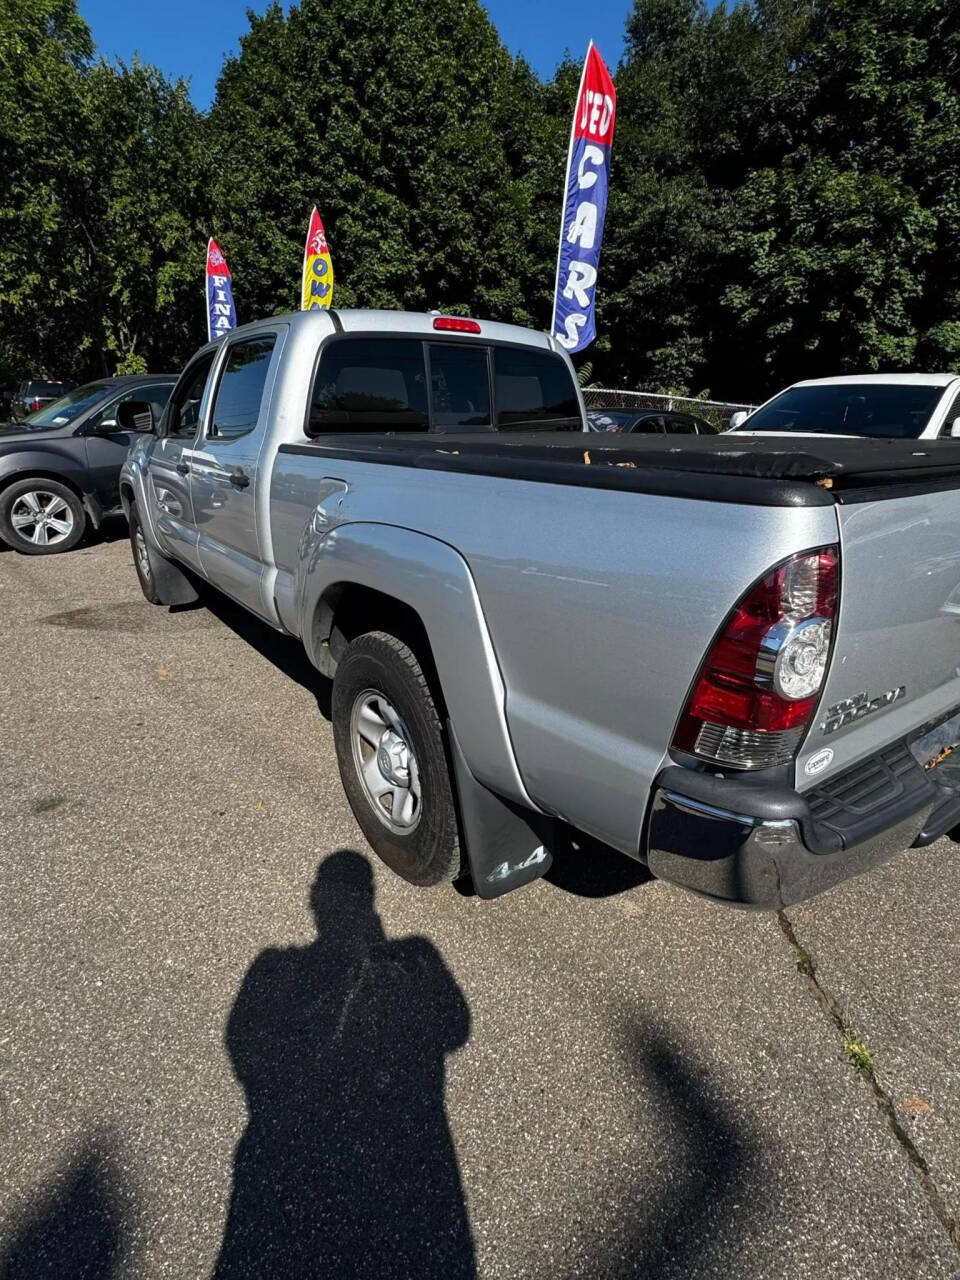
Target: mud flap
(506, 845)
(172, 584)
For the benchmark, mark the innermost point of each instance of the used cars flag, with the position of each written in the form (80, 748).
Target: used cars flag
(221, 313)
(316, 289)
(585, 204)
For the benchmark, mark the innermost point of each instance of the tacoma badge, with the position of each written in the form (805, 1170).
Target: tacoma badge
(849, 709)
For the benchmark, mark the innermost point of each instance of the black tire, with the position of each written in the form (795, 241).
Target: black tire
(141, 560)
(430, 853)
(50, 495)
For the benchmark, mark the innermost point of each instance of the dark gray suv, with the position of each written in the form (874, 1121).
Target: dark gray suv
(60, 466)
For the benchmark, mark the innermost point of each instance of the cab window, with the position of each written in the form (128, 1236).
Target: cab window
(370, 384)
(459, 387)
(236, 407)
(533, 390)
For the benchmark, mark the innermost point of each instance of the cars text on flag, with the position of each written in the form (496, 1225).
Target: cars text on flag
(584, 206)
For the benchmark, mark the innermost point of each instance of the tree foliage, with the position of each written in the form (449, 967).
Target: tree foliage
(785, 195)
(100, 203)
(408, 122)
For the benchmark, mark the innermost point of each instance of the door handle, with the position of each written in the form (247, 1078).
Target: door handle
(239, 479)
(183, 468)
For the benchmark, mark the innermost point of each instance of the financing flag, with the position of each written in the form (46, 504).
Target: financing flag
(221, 313)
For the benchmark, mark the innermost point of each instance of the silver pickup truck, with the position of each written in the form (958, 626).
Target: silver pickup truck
(735, 659)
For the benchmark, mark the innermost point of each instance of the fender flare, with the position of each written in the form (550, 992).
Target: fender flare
(433, 579)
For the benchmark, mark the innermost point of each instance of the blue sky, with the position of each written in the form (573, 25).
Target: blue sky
(189, 38)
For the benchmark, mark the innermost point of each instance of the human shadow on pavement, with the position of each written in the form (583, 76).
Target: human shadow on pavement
(285, 652)
(74, 1228)
(347, 1166)
(707, 1171)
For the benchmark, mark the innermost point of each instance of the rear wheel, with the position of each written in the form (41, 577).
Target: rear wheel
(141, 557)
(390, 750)
(41, 517)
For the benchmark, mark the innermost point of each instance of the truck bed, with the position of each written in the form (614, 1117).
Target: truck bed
(749, 469)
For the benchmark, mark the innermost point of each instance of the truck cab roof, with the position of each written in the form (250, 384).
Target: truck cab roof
(387, 322)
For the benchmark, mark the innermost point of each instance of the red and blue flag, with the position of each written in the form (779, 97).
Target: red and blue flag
(585, 205)
(221, 313)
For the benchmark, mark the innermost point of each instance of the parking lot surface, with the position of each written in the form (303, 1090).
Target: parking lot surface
(232, 1044)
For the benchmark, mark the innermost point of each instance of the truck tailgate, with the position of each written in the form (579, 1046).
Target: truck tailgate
(895, 663)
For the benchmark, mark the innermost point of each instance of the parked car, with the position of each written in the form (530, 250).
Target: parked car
(752, 692)
(60, 466)
(35, 394)
(648, 422)
(898, 406)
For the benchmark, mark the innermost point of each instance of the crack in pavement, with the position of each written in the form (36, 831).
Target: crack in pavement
(831, 1007)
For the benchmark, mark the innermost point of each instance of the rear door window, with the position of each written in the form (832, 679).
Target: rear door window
(459, 386)
(533, 390)
(370, 384)
(240, 392)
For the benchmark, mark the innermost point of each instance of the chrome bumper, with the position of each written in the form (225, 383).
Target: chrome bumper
(765, 848)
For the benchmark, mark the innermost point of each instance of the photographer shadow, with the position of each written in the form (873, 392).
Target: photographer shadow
(347, 1166)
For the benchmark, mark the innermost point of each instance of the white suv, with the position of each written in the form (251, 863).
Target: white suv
(903, 406)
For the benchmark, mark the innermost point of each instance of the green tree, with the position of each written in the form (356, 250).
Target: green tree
(101, 204)
(406, 122)
(45, 49)
(845, 251)
(141, 207)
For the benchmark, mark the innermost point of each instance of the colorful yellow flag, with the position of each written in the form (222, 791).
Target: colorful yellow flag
(316, 291)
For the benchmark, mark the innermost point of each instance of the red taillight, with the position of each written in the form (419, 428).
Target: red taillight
(456, 324)
(36, 406)
(760, 683)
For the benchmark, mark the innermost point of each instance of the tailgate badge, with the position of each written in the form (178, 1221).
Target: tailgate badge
(849, 709)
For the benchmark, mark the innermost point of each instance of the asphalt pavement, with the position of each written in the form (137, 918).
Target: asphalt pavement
(232, 1044)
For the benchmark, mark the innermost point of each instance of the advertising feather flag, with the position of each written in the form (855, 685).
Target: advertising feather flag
(316, 288)
(221, 313)
(584, 206)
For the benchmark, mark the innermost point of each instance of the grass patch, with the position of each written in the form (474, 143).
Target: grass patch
(857, 1052)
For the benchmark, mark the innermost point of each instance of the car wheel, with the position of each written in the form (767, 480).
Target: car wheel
(141, 556)
(393, 765)
(41, 517)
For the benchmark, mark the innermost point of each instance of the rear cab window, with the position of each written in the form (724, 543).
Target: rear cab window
(370, 384)
(533, 391)
(407, 383)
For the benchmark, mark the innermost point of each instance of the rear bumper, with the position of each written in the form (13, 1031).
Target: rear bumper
(746, 842)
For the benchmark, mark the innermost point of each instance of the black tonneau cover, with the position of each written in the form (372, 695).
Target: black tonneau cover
(729, 467)
(844, 459)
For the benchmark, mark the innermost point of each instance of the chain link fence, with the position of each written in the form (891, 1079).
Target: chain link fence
(716, 412)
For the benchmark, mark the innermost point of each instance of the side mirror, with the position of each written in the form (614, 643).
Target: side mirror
(955, 428)
(134, 415)
(737, 418)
